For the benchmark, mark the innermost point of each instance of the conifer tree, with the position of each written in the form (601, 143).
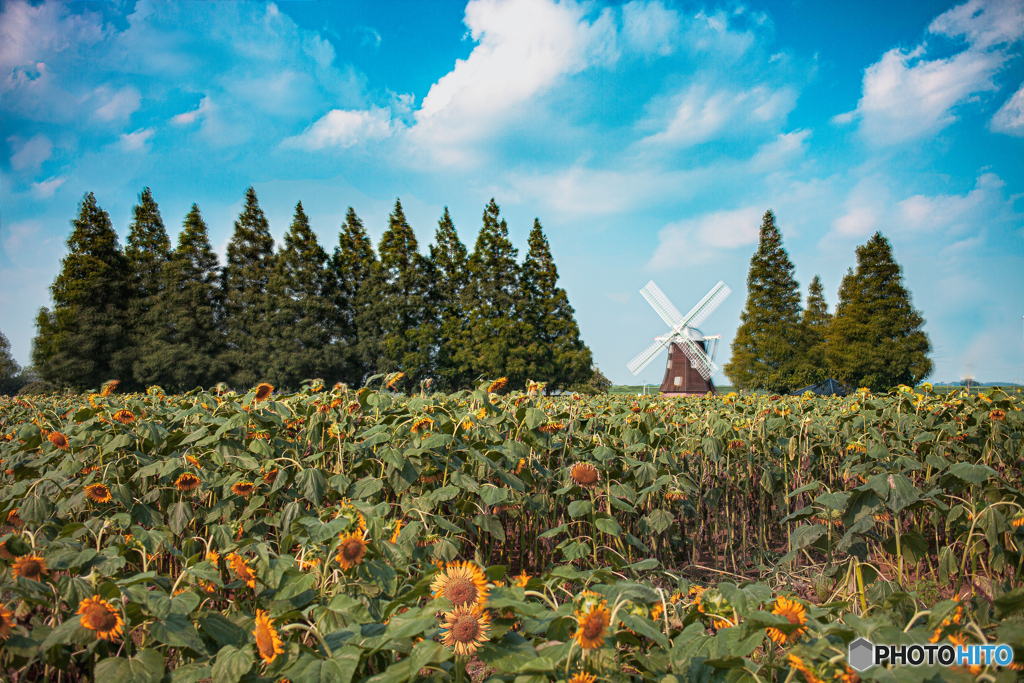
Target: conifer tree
(875, 339)
(148, 249)
(352, 266)
(813, 327)
(765, 349)
(448, 257)
(562, 359)
(85, 331)
(304, 315)
(498, 341)
(187, 347)
(247, 306)
(9, 368)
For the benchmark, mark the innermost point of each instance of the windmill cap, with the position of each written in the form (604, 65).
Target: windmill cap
(694, 334)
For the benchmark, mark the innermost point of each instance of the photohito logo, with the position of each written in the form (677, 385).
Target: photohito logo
(864, 654)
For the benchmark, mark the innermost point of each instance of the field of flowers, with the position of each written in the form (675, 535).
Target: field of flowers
(339, 535)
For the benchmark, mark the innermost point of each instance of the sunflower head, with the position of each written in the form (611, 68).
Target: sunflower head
(497, 385)
(270, 477)
(240, 566)
(30, 567)
(521, 580)
(268, 642)
(585, 474)
(394, 379)
(109, 387)
(98, 493)
(465, 628)
(58, 440)
(397, 532)
(461, 583)
(1018, 520)
(96, 614)
(353, 515)
(997, 415)
(581, 677)
(552, 427)
(795, 613)
(6, 622)
(422, 425)
(242, 488)
(125, 417)
(351, 549)
(263, 391)
(592, 624)
(187, 482)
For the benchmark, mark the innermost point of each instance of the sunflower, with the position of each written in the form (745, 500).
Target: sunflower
(398, 531)
(125, 417)
(109, 387)
(187, 482)
(6, 622)
(592, 624)
(14, 520)
(242, 488)
(809, 675)
(462, 583)
(270, 477)
(263, 391)
(267, 640)
(192, 460)
(351, 550)
(353, 515)
(423, 424)
(92, 400)
(307, 565)
(98, 493)
(997, 415)
(481, 414)
(30, 567)
(58, 440)
(1018, 520)
(212, 556)
(582, 678)
(96, 614)
(737, 445)
(465, 628)
(585, 474)
(521, 580)
(395, 379)
(552, 427)
(497, 385)
(795, 612)
(242, 571)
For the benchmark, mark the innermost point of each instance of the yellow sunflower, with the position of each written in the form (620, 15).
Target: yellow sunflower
(582, 678)
(795, 612)
(465, 628)
(497, 385)
(242, 571)
(242, 488)
(58, 440)
(6, 622)
(521, 580)
(585, 474)
(809, 674)
(187, 482)
(552, 427)
(124, 417)
(394, 380)
(422, 425)
(997, 415)
(397, 532)
(267, 640)
(592, 625)
(96, 614)
(270, 477)
(462, 583)
(351, 550)
(30, 567)
(98, 493)
(109, 388)
(263, 391)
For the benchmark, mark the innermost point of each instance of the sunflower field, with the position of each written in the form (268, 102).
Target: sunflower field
(371, 536)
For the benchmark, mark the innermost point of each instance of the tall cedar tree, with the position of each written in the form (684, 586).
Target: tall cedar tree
(448, 257)
(247, 305)
(562, 358)
(353, 264)
(765, 349)
(77, 341)
(875, 339)
(396, 316)
(187, 345)
(301, 289)
(498, 341)
(148, 249)
(9, 368)
(813, 327)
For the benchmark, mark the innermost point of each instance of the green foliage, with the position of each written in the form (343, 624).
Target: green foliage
(352, 266)
(814, 325)
(449, 262)
(765, 350)
(875, 339)
(9, 368)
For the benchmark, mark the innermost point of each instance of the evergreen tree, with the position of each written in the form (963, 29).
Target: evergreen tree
(352, 266)
(304, 318)
(187, 345)
(875, 339)
(765, 349)
(148, 249)
(498, 342)
(448, 257)
(77, 341)
(396, 317)
(561, 358)
(813, 327)
(247, 306)
(9, 368)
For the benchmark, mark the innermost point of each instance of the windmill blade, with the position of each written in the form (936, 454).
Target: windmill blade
(646, 356)
(705, 307)
(660, 303)
(698, 359)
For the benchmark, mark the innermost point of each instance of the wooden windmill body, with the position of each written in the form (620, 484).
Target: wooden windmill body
(681, 378)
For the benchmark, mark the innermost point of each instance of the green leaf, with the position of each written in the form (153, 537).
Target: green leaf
(806, 534)
(609, 526)
(222, 629)
(578, 508)
(312, 485)
(975, 474)
(191, 673)
(659, 520)
(177, 631)
(146, 667)
(1009, 603)
(178, 517)
(232, 663)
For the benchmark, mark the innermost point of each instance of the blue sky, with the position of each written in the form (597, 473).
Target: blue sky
(648, 137)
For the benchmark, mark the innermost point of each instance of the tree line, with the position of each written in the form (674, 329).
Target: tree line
(873, 339)
(152, 314)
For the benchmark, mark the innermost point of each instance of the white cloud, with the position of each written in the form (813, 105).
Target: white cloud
(183, 119)
(118, 105)
(649, 27)
(30, 153)
(866, 204)
(340, 128)
(1010, 117)
(983, 23)
(774, 155)
(133, 142)
(696, 239)
(45, 189)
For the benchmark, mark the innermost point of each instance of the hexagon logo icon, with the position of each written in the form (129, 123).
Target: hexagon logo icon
(861, 654)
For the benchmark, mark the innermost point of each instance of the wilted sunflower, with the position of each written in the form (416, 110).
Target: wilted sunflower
(58, 440)
(242, 571)
(14, 520)
(592, 623)
(96, 614)
(497, 385)
(109, 388)
(187, 482)
(30, 567)
(6, 622)
(125, 417)
(465, 628)
(795, 612)
(423, 424)
(270, 477)
(585, 474)
(263, 391)
(267, 640)
(581, 677)
(98, 493)
(92, 400)
(242, 488)
(351, 550)
(462, 583)
(997, 415)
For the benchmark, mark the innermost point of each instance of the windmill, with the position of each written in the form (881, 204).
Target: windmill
(690, 367)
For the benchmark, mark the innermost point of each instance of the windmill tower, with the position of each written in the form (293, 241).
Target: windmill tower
(690, 366)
